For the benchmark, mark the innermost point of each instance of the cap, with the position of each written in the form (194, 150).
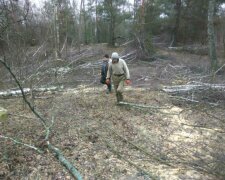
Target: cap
(115, 55)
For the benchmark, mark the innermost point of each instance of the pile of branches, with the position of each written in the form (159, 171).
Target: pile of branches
(193, 49)
(198, 92)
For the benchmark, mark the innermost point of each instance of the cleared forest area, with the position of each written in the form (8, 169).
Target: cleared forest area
(154, 135)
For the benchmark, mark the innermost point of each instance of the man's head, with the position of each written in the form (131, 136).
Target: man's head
(106, 56)
(115, 57)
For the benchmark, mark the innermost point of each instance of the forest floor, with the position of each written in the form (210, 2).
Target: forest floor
(158, 136)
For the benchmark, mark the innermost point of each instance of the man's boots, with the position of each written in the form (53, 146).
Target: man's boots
(119, 97)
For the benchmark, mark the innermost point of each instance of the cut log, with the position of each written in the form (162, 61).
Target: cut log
(18, 92)
(193, 87)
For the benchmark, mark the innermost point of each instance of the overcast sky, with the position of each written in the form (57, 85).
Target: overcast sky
(39, 3)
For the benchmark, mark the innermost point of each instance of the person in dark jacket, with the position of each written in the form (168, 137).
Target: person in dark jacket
(104, 70)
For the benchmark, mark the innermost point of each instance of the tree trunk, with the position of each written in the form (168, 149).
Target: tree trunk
(96, 23)
(112, 24)
(211, 36)
(224, 40)
(177, 23)
(81, 21)
(112, 32)
(56, 30)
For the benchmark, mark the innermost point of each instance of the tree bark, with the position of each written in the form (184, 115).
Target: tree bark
(81, 24)
(211, 36)
(112, 13)
(58, 154)
(56, 30)
(177, 23)
(96, 22)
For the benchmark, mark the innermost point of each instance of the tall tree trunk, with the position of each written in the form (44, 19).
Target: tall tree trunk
(96, 22)
(142, 14)
(112, 23)
(81, 23)
(56, 30)
(135, 10)
(224, 44)
(85, 28)
(177, 23)
(224, 40)
(211, 36)
(112, 32)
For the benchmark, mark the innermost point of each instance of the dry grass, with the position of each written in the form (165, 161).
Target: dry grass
(98, 137)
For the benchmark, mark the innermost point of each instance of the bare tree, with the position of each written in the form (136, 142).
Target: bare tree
(56, 30)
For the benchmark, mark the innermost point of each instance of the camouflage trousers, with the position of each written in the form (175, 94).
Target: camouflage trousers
(118, 82)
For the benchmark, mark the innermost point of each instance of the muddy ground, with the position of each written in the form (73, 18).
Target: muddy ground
(158, 136)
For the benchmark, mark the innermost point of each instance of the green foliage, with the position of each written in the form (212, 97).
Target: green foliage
(153, 21)
(160, 18)
(116, 18)
(67, 24)
(105, 21)
(148, 44)
(194, 21)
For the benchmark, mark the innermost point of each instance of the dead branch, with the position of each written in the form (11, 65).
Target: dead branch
(39, 49)
(219, 69)
(21, 143)
(126, 43)
(156, 109)
(72, 170)
(64, 161)
(202, 127)
(64, 44)
(142, 105)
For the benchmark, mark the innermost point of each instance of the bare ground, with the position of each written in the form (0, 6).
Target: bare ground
(169, 139)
